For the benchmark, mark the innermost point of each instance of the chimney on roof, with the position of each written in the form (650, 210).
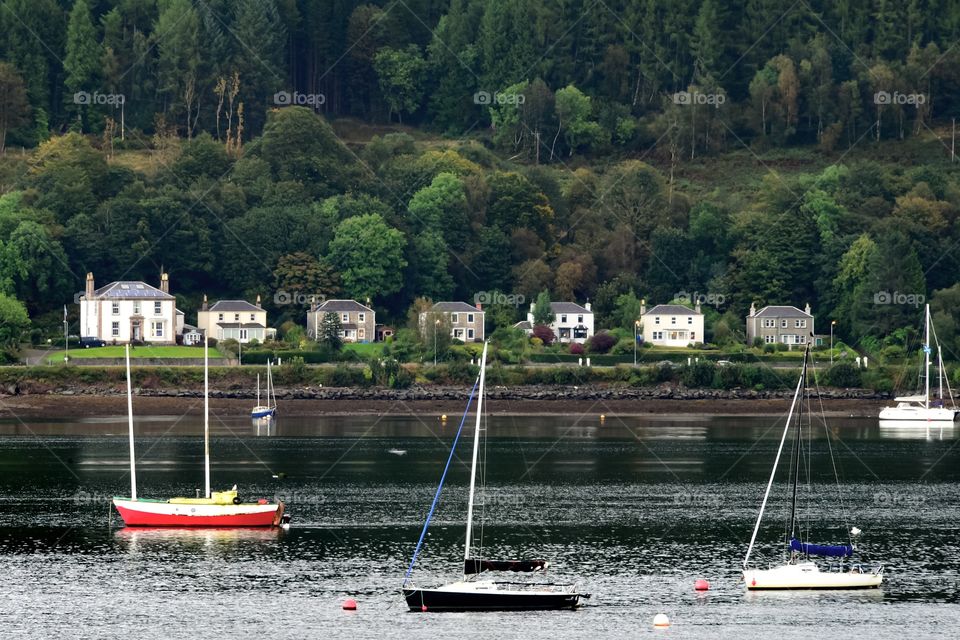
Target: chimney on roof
(643, 306)
(753, 309)
(165, 282)
(479, 307)
(258, 299)
(88, 294)
(696, 307)
(587, 305)
(204, 306)
(806, 309)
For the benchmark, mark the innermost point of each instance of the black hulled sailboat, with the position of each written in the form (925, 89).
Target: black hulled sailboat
(472, 593)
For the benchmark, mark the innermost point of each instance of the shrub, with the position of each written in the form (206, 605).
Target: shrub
(758, 342)
(698, 374)
(601, 342)
(544, 333)
(843, 374)
(576, 349)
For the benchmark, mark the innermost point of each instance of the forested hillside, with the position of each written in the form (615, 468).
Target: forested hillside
(751, 151)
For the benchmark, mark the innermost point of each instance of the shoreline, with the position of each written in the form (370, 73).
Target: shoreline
(84, 406)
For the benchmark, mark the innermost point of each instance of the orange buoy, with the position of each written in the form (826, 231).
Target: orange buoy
(701, 585)
(349, 604)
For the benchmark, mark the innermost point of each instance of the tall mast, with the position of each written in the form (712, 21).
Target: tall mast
(926, 358)
(476, 451)
(133, 463)
(206, 416)
(940, 371)
(258, 390)
(773, 473)
(796, 477)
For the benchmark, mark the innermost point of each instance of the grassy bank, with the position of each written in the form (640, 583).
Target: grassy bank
(705, 375)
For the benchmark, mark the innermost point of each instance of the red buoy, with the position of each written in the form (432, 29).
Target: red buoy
(701, 585)
(423, 608)
(349, 604)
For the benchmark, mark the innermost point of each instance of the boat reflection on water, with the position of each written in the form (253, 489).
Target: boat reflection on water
(917, 429)
(142, 538)
(266, 426)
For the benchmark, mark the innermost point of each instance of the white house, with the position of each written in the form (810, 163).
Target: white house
(234, 320)
(671, 325)
(129, 311)
(571, 322)
(466, 320)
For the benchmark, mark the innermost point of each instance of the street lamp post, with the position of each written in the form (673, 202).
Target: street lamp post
(832, 322)
(436, 328)
(636, 333)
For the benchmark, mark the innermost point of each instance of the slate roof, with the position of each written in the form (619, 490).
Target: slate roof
(672, 310)
(783, 311)
(568, 307)
(234, 306)
(339, 306)
(130, 289)
(240, 325)
(455, 307)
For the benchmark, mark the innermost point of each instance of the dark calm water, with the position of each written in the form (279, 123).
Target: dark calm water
(633, 509)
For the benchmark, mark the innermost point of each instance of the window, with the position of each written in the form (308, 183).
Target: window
(236, 317)
(656, 320)
(360, 332)
(658, 335)
(788, 339)
(115, 308)
(454, 318)
(136, 307)
(253, 317)
(783, 323)
(801, 339)
(220, 317)
(800, 324)
(158, 329)
(563, 318)
(470, 318)
(157, 308)
(769, 323)
(580, 319)
(361, 317)
(693, 335)
(458, 334)
(689, 319)
(470, 334)
(673, 319)
(115, 329)
(344, 317)
(243, 334)
(769, 339)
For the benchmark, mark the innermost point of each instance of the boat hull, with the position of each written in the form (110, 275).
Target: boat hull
(918, 414)
(469, 599)
(806, 576)
(263, 412)
(144, 513)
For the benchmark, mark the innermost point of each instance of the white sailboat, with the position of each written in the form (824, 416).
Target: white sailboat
(470, 593)
(799, 570)
(921, 408)
(267, 411)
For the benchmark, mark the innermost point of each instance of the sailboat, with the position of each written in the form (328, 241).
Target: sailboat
(471, 593)
(799, 571)
(214, 509)
(922, 407)
(267, 411)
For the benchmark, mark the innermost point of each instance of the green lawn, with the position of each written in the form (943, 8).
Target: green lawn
(136, 352)
(364, 349)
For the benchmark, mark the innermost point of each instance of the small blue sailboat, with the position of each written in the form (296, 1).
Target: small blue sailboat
(268, 410)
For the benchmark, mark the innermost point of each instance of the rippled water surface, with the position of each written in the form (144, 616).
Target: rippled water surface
(634, 509)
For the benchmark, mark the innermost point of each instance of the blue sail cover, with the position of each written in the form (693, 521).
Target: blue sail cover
(836, 551)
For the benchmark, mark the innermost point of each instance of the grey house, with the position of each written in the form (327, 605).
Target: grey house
(780, 324)
(466, 320)
(358, 320)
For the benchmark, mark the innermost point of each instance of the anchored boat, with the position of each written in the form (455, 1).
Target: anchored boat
(267, 411)
(213, 509)
(800, 570)
(471, 593)
(921, 407)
